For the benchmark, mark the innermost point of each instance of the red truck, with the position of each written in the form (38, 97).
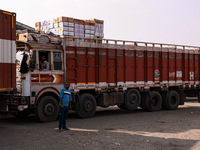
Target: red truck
(102, 73)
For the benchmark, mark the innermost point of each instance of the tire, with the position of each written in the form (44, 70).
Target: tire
(171, 100)
(153, 101)
(133, 99)
(87, 106)
(47, 109)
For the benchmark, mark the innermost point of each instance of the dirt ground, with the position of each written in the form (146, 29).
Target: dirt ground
(111, 128)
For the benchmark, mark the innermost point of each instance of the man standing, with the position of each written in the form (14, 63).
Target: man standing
(65, 101)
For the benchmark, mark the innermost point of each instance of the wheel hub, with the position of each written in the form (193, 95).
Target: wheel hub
(154, 101)
(49, 109)
(133, 99)
(173, 100)
(88, 106)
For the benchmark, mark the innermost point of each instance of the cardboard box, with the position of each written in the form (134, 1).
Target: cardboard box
(37, 24)
(89, 22)
(79, 26)
(55, 25)
(78, 35)
(89, 32)
(45, 23)
(55, 20)
(51, 25)
(99, 34)
(66, 33)
(66, 29)
(66, 24)
(55, 31)
(89, 36)
(97, 21)
(65, 19)
(79, 31)
(89, 27)
(38, 28)
(78, 21)
(99, 27)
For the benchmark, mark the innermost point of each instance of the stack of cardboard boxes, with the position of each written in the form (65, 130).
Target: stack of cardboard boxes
(99, 28)
(70, 27)
(66, 26)
(89, 29)
(79, 26)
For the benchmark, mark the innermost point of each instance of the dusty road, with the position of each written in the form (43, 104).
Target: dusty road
(111, 128)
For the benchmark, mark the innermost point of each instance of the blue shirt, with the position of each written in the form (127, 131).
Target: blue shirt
(66, 96)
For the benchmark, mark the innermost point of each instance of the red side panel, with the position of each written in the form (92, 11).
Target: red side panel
(130, 65)
(191, 67)
(156, 67)
(179, 67)
(140, 66)
(7, 50)
(111, 66)
(196, 75)
(103, 65)
(120, 66)
(172, 65)
(150, 72)
(90, 69)
(165, 67)
(186, 64)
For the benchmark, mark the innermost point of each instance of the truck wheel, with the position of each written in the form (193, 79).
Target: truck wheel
(153, 101)
(47, 109)
(171, 100)
(87, 106)
(133, 99)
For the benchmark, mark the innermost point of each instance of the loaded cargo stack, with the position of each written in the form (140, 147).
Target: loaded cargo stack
(72, 27)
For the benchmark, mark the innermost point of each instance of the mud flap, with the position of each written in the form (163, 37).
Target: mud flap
(199, 97)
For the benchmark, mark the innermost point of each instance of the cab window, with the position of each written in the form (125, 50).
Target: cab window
(57, 61)
(44, 60)
(32, 64)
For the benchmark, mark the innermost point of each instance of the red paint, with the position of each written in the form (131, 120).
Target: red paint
(7, 75)
(7, 25)
(94, 65)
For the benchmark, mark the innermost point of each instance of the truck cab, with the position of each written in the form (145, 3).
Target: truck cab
(38, 88)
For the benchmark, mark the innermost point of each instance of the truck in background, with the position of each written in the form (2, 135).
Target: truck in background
(102, 73)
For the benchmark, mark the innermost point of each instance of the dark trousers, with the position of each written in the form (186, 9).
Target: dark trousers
(63, 116)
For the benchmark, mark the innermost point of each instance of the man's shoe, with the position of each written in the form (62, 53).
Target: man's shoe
(59, 130)
(66, 128)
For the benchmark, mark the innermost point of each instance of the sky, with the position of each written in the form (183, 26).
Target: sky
(158, 21)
